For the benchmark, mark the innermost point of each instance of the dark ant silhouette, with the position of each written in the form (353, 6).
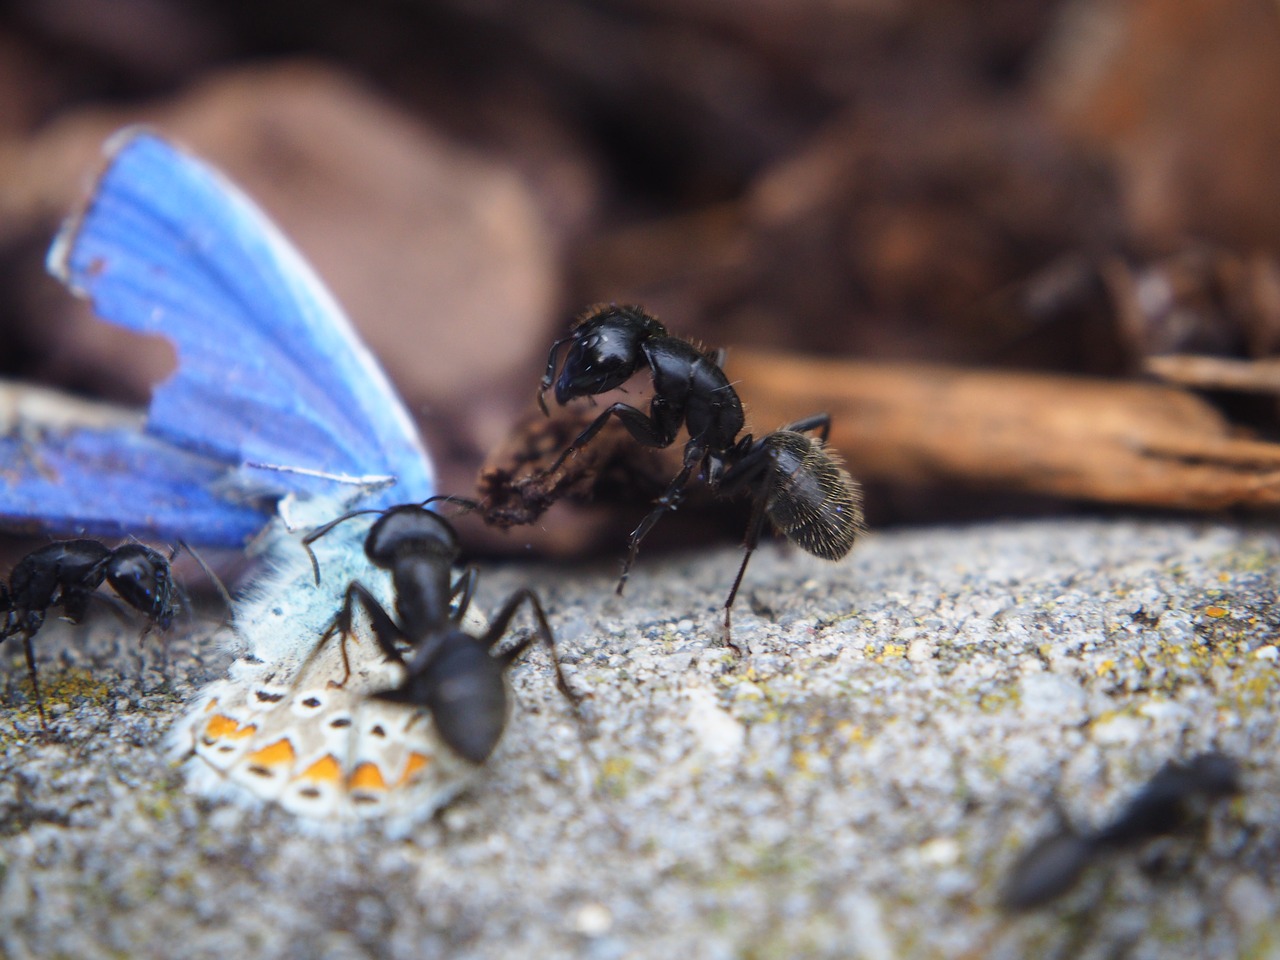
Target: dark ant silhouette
(1176, 798)
(67, 574)
(448, 671)
(793, 480)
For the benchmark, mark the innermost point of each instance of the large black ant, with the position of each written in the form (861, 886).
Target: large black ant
(448, 671)
(66, 574)
(1177, 797)
(793, 479)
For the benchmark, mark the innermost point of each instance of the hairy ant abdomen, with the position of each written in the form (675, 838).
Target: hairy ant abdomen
(812, 501)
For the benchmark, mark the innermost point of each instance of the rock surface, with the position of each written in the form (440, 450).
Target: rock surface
(857, 786)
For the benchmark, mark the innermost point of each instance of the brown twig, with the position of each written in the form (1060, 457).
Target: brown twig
(1110, 441)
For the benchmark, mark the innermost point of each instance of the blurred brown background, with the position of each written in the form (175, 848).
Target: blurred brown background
(1051, 186)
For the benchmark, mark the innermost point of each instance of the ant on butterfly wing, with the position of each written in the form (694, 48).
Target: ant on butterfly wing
(450, 672)
(792, 479)
(66, 574)
(1177, 797)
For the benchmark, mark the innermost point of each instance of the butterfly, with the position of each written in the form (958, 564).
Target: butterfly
(277, 412)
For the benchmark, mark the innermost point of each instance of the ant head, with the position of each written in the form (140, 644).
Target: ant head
(809, 496)
(410, 528)
(1215, 774)
(141, 578)
(605, 351)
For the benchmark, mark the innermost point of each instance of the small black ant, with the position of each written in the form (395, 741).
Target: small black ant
(66, 574)
(1177, 797)
(450, 672)
(793, 480)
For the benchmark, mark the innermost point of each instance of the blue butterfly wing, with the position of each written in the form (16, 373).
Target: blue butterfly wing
(270, 372)
(120, 482)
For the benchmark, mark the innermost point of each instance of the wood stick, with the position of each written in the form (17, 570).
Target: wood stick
(1216, 373)
(1124, 442)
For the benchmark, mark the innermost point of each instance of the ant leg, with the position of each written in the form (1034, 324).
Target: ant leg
(502, 620)
(819, 421)
(645, 430)
(549, 376)
(752, 540)
(341, 624)
(385, 630)
(35, 678)
(461, 593)
(466, 503)
(75, 600)
(221, 587)
(694, 454)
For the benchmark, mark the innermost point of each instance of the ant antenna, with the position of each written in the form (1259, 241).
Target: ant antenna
(466, 503)
(319, 532)
(208, 572)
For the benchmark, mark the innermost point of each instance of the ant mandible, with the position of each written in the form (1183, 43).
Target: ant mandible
(448, 671)
(792, 479)
(66, 574)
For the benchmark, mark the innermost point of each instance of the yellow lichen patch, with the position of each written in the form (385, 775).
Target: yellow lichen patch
(211, 706)
(325, 770)
(852, 733)
(73, 685)
(222, 727)
(891, 651)
(1216, 612)
(616, 776)
(273, 754)
(66, 686)
(367, 776)
(417, 762)
(1106, 666)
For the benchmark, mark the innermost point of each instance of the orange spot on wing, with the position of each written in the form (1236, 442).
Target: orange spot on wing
(417, 761)
(222, 727)
(274, 753)
(326, 769)
(367, 776)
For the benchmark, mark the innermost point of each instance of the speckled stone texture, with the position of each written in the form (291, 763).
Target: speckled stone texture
(857, 786)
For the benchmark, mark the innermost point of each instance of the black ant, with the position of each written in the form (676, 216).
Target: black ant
(450, 672)
(1177, 797)
(66, 574)
(793, 480)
